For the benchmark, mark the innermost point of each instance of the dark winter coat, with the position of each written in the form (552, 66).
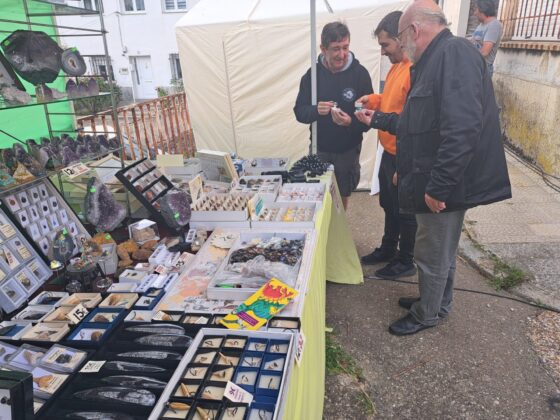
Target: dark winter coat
(448, 136)
(344, 88)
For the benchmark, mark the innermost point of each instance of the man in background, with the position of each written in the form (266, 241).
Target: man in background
(487, 35)
(450, 153)
(400, 228)
(341, 80)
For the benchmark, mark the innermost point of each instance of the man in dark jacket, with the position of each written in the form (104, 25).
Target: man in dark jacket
(341, 80)
(450, 156)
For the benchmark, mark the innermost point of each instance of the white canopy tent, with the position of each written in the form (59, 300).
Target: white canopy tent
(242, 61)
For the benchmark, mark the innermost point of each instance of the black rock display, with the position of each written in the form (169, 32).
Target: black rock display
(101, 208)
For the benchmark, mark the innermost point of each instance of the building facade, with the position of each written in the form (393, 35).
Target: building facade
(141, 43)
(527, 79)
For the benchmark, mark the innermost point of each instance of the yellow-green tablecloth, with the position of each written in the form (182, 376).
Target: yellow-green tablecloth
(335, 259)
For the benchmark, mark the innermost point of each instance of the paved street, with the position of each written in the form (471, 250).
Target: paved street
(479, 364)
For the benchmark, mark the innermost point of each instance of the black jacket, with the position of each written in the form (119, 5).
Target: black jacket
(345, 88)
(448, 134)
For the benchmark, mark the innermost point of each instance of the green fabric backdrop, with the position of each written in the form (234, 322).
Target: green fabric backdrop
(30, 122)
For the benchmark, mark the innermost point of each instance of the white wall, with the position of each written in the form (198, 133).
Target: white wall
(457, 13)
(149, 33)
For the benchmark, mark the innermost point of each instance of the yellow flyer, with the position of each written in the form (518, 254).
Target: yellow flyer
(265, 303)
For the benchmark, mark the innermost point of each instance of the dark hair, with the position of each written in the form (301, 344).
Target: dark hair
(389, 24)
(488, 7)
(334, 32)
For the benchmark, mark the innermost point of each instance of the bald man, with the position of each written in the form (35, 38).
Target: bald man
(450, 155)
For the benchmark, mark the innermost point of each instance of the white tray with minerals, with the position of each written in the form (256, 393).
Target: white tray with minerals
(259, 255)
(281, 215)
(302, 192)
(259, 362)
(266, 186)
(217, 207)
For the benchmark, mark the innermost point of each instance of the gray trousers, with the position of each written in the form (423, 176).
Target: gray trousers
(437, 240)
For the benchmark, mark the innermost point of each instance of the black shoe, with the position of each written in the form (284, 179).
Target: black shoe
(407, 302)
(396, 269)
(407, 326)
(377, 256)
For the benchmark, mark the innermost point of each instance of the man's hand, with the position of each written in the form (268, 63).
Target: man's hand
(364, 116)
(434, 205)
(364, 99)
(340, 117)
(324, 108)
(395, 179)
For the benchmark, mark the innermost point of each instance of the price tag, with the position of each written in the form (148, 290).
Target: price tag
(93, 366)
(77, 314)
(300, 344)
(75, 170)
(237, 394)
(23, 252)
(160, 269)
(7, 230)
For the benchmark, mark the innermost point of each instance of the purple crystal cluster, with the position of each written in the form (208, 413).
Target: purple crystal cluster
(52, 154)
(100, 207)
(175, 208)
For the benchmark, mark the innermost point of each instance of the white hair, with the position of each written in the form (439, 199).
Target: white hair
(423, 15)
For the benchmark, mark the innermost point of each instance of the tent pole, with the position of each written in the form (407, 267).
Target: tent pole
(313, 15)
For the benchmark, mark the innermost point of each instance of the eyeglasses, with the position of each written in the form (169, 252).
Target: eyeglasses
(400, 34)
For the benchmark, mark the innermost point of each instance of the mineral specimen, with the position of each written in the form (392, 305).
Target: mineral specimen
(157, 328)
(69, 156)
(132, 367)
(134, 381)
(9, 159)
(62, 247)
(101, 208)
(165, 340)
(34, 55)
(71, 89)
(14, 96)
(97, 415)
(93, 87)
(22, 174)
(72, 62)
(118, 394)
(176, 208)
(152, 354)
(5, 178)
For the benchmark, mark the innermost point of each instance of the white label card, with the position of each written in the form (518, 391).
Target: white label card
(77, 314)
(237, 394)
(300, 344)
(73, 171)
(93, 366)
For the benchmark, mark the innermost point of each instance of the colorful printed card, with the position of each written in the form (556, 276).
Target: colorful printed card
(265, 303)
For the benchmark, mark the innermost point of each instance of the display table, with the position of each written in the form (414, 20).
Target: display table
(335, 259)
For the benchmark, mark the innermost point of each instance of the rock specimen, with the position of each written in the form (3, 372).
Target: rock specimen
(14, 96)
(22, 175)
(101, 208)
(176, 208)
(69, 156)
(72, 62)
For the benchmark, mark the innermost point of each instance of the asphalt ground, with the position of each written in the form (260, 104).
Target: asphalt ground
(478, 364)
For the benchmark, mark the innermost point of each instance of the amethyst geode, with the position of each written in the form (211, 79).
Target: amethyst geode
(101, 208)
(175, 208)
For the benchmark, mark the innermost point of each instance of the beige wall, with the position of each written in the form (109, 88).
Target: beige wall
(527, 85)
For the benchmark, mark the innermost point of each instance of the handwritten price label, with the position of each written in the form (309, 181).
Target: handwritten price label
(93, 366)
(73, 171)
(300, 344)
(77, 314)
(237, 394)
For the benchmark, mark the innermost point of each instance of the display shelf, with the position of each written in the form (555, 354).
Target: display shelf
(54, 172)
(52, 8)
(4, 106)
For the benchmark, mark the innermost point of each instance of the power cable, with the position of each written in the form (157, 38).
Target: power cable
(546, 177)
(479, 292)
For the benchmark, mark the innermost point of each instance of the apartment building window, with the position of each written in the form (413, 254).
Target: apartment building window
(98, 66)
(176, 72)
(134, 5)
(91, 4)
(174, 5)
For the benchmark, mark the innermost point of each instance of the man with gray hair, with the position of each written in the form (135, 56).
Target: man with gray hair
(450, 156)
(487, 35)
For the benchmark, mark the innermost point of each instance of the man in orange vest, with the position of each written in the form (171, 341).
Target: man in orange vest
(400, 229)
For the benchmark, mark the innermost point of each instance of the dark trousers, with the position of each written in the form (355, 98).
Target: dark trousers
(400, 229)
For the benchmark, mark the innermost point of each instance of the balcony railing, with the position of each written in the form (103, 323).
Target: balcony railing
(150, 128)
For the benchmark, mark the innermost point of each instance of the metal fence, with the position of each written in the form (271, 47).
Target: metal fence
(530, 20)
